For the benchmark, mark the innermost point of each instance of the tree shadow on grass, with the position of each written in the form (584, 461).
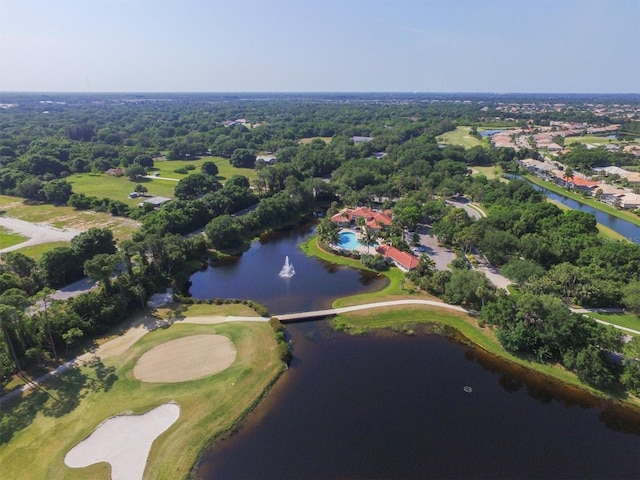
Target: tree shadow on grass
(55, 398)
(105, 377)
(19, 413)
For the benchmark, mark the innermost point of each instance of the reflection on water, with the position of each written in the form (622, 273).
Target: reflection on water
(394, 406)
(254, 275)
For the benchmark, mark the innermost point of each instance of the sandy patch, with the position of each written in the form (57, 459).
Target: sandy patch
(124, 442)
(186, 358)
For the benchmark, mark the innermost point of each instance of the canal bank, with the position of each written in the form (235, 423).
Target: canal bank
(622, 222)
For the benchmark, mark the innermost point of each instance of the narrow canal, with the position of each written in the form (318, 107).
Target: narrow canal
(627, 229)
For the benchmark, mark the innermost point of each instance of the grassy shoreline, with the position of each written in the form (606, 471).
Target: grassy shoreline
(402, 318)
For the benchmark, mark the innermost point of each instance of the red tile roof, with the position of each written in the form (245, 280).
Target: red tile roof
(582, 182)
(404, 259)
(372, 218)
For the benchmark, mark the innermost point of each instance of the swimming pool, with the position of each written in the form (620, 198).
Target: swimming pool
(348, 241)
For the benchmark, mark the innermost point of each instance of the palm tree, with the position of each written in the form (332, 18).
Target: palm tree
(568, 174)
(368, 238)
(328, 232)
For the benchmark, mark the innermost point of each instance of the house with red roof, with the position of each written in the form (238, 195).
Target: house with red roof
(403, 260)
(374, 220)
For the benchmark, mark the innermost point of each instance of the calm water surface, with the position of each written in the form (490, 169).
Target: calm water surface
(381, 407)
(254, 275)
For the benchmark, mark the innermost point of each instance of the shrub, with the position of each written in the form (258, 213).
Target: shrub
(376, 262)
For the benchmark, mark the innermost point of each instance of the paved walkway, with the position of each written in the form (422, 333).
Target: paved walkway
(37, 232)
(336, 311)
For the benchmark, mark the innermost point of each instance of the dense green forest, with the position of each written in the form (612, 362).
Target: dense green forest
(555, 257)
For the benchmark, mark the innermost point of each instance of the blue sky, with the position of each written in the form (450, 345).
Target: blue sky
(560, 46)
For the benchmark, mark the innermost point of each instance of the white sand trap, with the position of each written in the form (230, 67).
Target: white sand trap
(124, 442)
(186, 358)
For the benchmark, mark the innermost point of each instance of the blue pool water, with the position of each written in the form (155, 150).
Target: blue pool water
(348, 241)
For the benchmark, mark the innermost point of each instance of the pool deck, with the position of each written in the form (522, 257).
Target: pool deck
(360, 249)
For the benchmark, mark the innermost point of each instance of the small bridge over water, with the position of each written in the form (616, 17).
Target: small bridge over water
(297, 317)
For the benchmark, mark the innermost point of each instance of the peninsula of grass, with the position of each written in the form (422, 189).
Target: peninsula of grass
(9, 239)
(621, 214)
(46, 424)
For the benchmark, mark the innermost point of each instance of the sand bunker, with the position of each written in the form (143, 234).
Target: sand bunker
(186, 358)
(124, 442)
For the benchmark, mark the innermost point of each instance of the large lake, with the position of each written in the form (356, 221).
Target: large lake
(395, 406)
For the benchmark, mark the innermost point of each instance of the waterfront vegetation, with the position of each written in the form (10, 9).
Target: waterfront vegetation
(604, 231)
(592, 202)
(78, 401)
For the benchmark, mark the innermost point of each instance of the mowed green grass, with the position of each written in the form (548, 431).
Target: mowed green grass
(118, 188)
(45, 425)
(461, 136)
(627, 320)
(490, 172)
(167, 168)
(9, 239)
(36, 251)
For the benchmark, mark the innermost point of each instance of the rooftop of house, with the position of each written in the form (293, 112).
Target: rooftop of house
(404, 259)
(372, 218)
